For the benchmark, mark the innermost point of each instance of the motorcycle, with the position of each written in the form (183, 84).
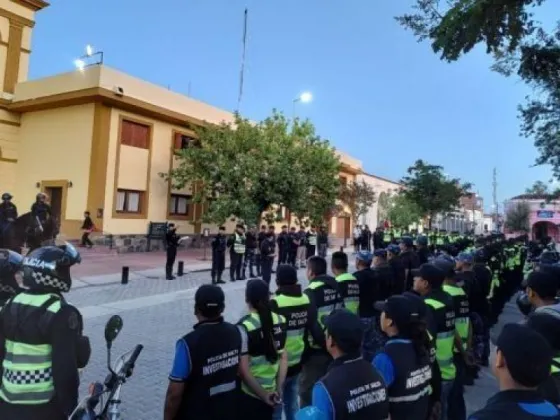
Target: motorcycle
(118, 375)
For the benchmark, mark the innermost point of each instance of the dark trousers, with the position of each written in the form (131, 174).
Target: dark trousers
(249, 261)
(310, 251)
(282, 255)
(31, 412)
(218, 265)
(266, 269)
(456, 404)
(86, 240)
(258, 263)
(171, 255)
(254, 408)
(314, 368)
(292, 254)
(235, 265)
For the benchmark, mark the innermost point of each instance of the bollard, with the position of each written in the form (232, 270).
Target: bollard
(341, 249)
(180, 268)
(124, 277)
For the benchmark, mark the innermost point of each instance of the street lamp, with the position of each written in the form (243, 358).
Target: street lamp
(304, 98)
(91, 58)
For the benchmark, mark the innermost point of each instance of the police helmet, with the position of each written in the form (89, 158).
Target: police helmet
(41, 195)
(49, 267)
(10, 264)
(523, 303)
(6, 196)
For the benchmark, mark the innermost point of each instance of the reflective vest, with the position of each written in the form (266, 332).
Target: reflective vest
(239, 244)
(350, 291)
(296, 311)
(261, 369)
(326, 298)
(312, 239)
(27, 367)
(462, 319)
(444, 339)
(555, 367)
(439, 240)
(397, 234)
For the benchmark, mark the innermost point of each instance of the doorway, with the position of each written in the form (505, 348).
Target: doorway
(55, 201)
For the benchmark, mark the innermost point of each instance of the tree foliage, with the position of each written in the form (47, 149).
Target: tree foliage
(429, 188)
(402, 212)
(359, 196)
(244, 169)
(538, 188)
(517, 217)
(520, 45)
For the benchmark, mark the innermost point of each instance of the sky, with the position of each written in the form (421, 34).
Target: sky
(379, 95)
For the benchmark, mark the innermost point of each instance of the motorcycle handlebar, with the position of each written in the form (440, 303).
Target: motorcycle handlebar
(136, 352)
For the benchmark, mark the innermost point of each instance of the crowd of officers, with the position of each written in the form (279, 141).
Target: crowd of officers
(396, 339)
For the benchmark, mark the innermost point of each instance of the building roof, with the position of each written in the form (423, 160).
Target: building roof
(536, 197)
(383, 179)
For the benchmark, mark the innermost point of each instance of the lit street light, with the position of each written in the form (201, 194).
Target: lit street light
(91, 58)
(304, 98)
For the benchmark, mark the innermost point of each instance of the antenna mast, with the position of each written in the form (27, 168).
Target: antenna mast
(495, 196)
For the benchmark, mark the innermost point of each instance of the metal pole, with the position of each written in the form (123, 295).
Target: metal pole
(124, 275)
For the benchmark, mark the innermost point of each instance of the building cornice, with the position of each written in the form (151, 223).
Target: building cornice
(34, 5)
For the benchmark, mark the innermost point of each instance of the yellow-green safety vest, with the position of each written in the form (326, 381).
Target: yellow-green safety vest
(261, 369)
(312, 239)
(27, 378)
(444, 347)
(238, 245)
(295, 337)
(462, 323)
(351, 302)
(555, 367)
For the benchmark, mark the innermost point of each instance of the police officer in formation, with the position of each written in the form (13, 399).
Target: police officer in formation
(40, 210)
(250, 253)
(311, 242)
(263, 369)
(8, 215)
(171, 245)
(10, 264)
(261, 236)
(237, 248)
(284, 244)
(203, 379)
(219, 246)
(290, 302)
(352, 388)
(268, 253)
(348, 286)
(41, 341)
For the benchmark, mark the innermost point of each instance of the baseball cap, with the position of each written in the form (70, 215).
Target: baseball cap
(400, 309)
(364, 256)
(382, 253)
(527, 354)
(542, 283)
(547, 326)
(209, 300)
(393, 249)
(345, 328)
(465, 257)
(422, 240)
(419, 304)
(407, 241)
(446, 264)
(429, 272)
(286, 275)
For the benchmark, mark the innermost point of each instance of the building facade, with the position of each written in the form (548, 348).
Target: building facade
(381, 187)
(544, 214)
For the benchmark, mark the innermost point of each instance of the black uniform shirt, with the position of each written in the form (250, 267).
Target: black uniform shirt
(268, 248)
(219, 243)
(172, 239)
(518, 405)
(8, 210)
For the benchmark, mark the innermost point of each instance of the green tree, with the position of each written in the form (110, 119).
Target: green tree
(403, 212)
(427, 186)
(244, 169)
(538, 188)
(359, 196)
(520, 45)
(517, 217)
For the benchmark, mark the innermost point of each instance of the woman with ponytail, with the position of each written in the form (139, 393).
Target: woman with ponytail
(263, 369)
(404, 362)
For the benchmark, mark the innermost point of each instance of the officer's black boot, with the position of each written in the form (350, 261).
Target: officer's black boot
(220, 281)
(213, 279)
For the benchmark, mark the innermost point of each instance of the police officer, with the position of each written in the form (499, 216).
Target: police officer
(8, 214)
(203, 379)
(10, 264)
(236, 243)
(41, 341)
(396, 264)
(40, 210)
(428, 282)
(352, 388)
(522, 364)
(301, 318)
(260, 239)
(323, 293)
(171, 244)
(283, 241)
(404, 362)
(311, 242)
(267, 250)
(219, 245)
(250, 251)
(263, 369)
(348, 286)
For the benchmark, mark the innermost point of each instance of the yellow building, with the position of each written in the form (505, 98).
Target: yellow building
(97, 140)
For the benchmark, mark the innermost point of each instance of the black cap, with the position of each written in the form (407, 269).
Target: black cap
(407, 241)
(527, 354)
(546, 325)
(209, 300)
(345, 328)
(543, 284)
(419, 304)
(429, 272)
(400, 309)
(286, 275)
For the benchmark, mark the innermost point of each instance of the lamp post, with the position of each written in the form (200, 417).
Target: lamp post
(304, 98)
(90, 58)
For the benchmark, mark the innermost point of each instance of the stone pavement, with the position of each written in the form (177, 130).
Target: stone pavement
(156, 313)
